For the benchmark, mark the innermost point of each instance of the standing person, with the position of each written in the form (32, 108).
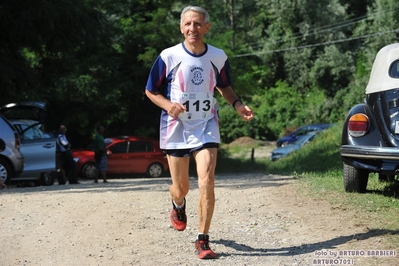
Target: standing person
(69, 164)
(189, 121)
(100, 155)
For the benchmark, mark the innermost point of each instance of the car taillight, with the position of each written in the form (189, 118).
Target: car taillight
(358, 125)
(17, 142)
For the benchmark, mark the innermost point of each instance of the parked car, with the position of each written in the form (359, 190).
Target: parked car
(287, 149)
(370, 135)
(11, 159)
(125, 155)
(295, 135)
(37, 150)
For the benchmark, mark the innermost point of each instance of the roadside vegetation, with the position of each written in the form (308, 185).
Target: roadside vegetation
(293, 62)
(318, 168)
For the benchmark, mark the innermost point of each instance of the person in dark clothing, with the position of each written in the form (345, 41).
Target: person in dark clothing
(66, 156)
(100, 155)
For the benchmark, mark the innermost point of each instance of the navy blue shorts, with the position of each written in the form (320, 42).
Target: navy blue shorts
(187, 152)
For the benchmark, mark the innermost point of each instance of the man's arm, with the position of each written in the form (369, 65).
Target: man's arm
(231, 97)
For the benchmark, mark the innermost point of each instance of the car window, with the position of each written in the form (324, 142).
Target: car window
(304, 139)
(313, 129)
(120, 147)
(140, 146)
(394, 71)
(29, 133)
(33, 133)
(301, 131)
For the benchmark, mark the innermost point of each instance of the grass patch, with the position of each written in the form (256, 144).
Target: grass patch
(238, 160)
(319, 170)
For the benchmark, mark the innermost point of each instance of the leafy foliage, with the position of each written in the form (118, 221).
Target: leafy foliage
(293, 61)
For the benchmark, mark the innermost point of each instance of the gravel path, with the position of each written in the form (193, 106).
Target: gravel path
(259, 220)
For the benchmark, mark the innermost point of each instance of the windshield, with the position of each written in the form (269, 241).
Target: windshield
(303, 139)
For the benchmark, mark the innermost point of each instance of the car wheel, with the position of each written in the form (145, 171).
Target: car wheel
(89, 171)
(154, 170)
(355, 180)
(5, 171)
(47, 179)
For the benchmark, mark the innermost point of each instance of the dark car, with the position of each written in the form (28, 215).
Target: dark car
(287, 149)
(25, 129)
(295, 135)
(370, 135)
(125, 155)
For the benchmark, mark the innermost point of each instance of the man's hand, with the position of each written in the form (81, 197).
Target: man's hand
(245, 112)
(175, 109)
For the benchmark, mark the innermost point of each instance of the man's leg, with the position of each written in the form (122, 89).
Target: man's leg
(65, 166)
(105, 168)
(98, 171)
(206, 165)
(104, 176)
(178, 167)
(71, 168)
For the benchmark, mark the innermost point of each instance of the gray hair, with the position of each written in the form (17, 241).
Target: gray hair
(195, 9)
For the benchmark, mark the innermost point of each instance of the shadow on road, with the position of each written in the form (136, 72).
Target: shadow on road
(306, 248)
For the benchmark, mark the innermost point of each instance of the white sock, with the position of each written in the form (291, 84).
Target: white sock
(180, 206)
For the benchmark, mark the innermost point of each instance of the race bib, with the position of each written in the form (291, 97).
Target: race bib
(198, 105)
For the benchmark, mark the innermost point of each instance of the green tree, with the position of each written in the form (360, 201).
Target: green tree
(38, 35)
(293, 61)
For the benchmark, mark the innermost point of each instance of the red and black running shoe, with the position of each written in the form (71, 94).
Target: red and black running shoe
(202, 248)
(178, 217)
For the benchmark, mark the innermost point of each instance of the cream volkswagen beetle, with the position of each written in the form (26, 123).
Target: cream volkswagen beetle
(370, 135)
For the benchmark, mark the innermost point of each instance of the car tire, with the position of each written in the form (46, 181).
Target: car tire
(89, 171)
(47, 179)
(5, 171)
(154, 170)
(355, 180)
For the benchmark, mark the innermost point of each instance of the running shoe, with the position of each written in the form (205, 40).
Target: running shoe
(178, 217)
(202, 247)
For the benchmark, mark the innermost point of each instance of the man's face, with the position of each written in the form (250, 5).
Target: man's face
(194, 28)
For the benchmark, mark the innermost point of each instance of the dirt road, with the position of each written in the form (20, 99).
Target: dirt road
(259, 220)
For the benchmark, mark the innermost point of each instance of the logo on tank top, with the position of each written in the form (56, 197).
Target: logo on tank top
(197, 75)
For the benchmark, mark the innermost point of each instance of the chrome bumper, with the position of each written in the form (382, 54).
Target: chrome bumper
(370, 152)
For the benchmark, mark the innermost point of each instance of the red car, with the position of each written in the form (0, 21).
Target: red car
(126, 155)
